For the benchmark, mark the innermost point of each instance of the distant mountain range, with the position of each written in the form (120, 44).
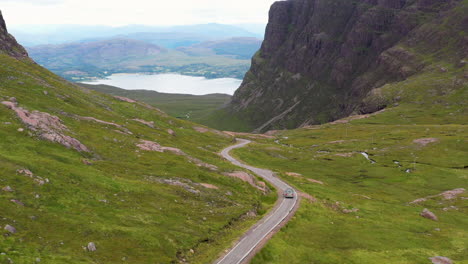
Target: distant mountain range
(86, 52)
(87, 60)
(239, 48)
(33, 35)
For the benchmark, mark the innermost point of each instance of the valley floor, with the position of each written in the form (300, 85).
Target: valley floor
(363, 179)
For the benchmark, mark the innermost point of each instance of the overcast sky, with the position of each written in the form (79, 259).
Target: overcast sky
(125, 12)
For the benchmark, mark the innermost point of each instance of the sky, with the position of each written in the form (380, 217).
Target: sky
(143, 12)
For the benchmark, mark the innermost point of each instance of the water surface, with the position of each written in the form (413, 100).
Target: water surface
(171, 83)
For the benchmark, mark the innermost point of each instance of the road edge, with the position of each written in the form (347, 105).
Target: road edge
(264, 241)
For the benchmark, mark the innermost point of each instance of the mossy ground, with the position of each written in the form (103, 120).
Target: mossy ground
(112, 202)
(386, 229)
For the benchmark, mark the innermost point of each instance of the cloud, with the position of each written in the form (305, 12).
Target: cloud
(149, 12)
(34, 2)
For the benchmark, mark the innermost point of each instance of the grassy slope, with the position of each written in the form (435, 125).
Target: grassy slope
(143, 221)
(385, 229)
(177, 105)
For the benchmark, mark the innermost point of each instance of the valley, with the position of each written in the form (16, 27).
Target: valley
(182, 106)
(346, 142)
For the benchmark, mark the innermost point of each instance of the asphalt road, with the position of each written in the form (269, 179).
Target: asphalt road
(265, 226)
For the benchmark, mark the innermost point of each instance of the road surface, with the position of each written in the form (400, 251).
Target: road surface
(256, 235)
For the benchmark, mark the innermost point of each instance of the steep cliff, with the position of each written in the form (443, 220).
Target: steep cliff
(8, 43)
(321, 58)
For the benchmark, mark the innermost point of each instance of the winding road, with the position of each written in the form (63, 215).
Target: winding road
(257, 234)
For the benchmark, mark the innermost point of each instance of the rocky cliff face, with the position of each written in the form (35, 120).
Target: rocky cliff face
(8, 43)
(320, 58)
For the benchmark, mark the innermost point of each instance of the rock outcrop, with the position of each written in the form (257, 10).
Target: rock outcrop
(8, 44)
(153, 146)
(429, 215)
(47, 126)
(441, 260)
(246, 177)
(321, 58)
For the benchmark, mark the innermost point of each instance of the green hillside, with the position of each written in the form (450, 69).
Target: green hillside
(361, 211)
(136, 206)
(184, 106)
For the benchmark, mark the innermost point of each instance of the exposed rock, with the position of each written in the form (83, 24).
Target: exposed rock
(125, 99)
(425, 141)
(294, 174)
(39, 180)
(447, 195)
(206, 130)
(315, 181)
(348, 211)
(324, 57)
(337, 142)
(47, 126)
(363, 196)
(251, 214)
(247, 178)
(7, 189)
(153, 146)
(25, 172)
(86, 162)
(201, 129)
(93, 119)
(10, 229)
(17, 202)
(200, 163)
(8, 43)
(150, 146)
(91, 247)
(88, 118)
(184, 183)
(445, 209)
(171, 132)
(144, 122)
(452, 194)
(429, 215)
(345, 155)
(209, 186)
(441, 260)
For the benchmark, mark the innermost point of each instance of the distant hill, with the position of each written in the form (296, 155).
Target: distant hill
(79, 61)
(33, 35)
(239, 48)
(97, 53)
(170, 40)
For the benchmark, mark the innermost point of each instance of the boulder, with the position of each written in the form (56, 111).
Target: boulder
(91, 247)
(10, 229)
(171, 132)
(7, 189)
(429, 215)
(18, 202)
(441, 260)
(452, 194)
